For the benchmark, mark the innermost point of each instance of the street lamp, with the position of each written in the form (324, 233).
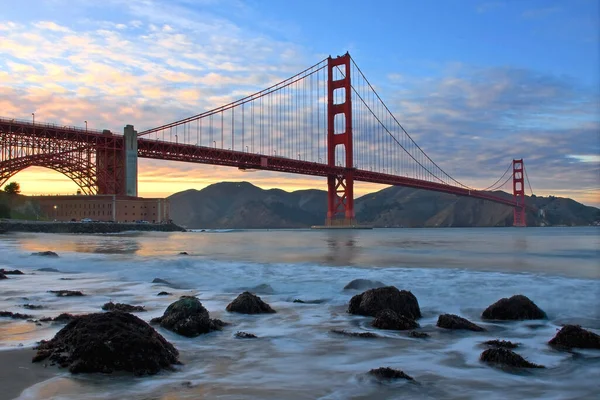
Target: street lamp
(247, 149)
(33, 115)
(85, 125)
(176, 139)
(215, 143)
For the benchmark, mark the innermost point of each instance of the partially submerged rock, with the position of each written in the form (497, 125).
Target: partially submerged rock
(248, 303)
(107, 342)
(366, 335)
(515, 308)
(45, 254)
(8, 314)
(64, 318)
(161, 281)
(505, 357)
(245, 335)
(164, 294)
(183, 253)
(418, 335)
(575, 336)
(33, 306)
(388, 319)
(110, 306)
(363, 284)
(389, 373)
(9, 272)
(501, 343)
(319, 301)
(2, 276)
(451, 321)
(46, 269)
(372, 301)
(66, 293)
(188, 317)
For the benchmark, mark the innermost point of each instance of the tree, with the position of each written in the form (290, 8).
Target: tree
(12, 188)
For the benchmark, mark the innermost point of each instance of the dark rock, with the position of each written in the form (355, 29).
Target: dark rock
(110, 306)
(45, 319)
(164, 294)
(389, 373)
(308, 301)
(507, 358)
(575, 336)
(244, 335)
(388, 319)
(45, 254)
(188, 317)
(107, 342)
(47, 270)
(517, 307)
(263, 288)
(64, 318)
(2, 276)
(418, 335)
(363, 284)
(372, 301)
(8, 314)
(451, 321)
(366, 335)
(66, 293)
(501, 343)
(32, 307)
(13, 272)
(161, 281)
(183, 253)
(66, 279)
(247, 303)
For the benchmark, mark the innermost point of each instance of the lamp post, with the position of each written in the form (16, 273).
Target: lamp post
(176, 139)
(33, 116)
(55, 211)
(215, 143)
(85, 125)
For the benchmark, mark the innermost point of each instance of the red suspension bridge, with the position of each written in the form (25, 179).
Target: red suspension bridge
(327, 121)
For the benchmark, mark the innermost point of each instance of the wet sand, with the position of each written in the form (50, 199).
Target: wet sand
(17, 372)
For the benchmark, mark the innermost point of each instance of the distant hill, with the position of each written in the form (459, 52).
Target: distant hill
(243, 205)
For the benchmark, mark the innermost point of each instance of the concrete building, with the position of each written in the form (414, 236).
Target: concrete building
(107, 207)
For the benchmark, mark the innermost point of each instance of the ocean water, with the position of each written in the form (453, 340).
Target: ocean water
(459, 271)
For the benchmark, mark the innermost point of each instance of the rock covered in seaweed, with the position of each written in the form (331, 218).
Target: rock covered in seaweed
(389, 373)
(501, 343)
(372, 301)
(188, 317)
(108, 342)
(47, 253)
(451, 321)
(110, 306)
(515, 308)
(571, 336)
(388, 319)
(508, 358)
(66, 293)
(248, 303)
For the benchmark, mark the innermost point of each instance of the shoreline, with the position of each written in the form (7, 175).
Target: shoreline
(78, 227)
(17, 372)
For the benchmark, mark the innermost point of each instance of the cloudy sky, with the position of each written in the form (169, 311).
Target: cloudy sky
(476, 82)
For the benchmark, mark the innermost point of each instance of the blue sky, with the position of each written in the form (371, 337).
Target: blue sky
(476, 82)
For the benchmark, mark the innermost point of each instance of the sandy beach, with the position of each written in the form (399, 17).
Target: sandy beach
(17, 372)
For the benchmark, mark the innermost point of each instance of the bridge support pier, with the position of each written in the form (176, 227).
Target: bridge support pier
(519, 194)
(340, 187)
(131, 157)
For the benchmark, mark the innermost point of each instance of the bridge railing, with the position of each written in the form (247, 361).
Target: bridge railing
(52, 126)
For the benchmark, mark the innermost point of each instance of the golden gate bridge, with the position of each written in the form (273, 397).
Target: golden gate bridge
(327, 121)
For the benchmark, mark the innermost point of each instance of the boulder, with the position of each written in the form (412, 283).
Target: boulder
(107, 342)
(66, 293)
(9, 272)
(244, 335)
(505, 357)
(575, 336)
(8, 314)
(517, 307)
(388, 319)
(45, 254)
(164, 294)
(248, 303)
(2, 276)
(188, 317)
(418, 335)
(46, 269)
(372, 301)
(501, 343)
(32, 306)
(366, 335)
(363, 284)
(451, 321)
(110, 306)
(387, 373)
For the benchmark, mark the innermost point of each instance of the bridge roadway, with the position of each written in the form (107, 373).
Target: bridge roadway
(161, 150)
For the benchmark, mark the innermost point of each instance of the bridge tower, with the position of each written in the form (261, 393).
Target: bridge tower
(131, 157)
(519, 194)
(340, 186)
